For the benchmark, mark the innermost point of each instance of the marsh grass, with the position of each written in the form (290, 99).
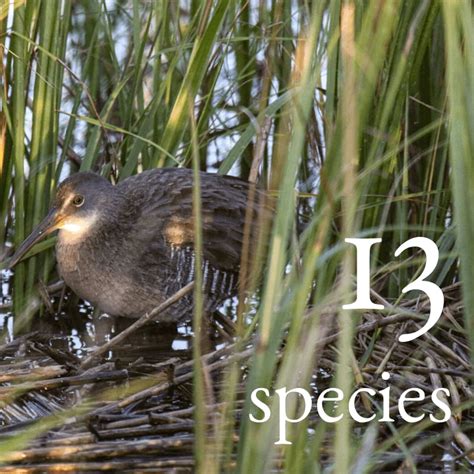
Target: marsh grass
(357, 117)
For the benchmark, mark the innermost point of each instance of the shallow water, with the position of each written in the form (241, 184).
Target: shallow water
(77, 328)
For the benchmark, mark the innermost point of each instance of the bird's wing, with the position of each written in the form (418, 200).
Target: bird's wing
(165, 224)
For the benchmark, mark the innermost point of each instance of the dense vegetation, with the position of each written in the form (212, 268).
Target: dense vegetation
(357, 116)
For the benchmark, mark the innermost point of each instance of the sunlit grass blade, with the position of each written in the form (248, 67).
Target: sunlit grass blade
(458, 18)
(195, 72)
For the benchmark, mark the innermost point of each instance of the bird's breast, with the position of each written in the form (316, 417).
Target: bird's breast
(78, 269)
(96, 273)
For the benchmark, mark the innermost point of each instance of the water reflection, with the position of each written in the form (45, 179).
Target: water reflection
(77, 329)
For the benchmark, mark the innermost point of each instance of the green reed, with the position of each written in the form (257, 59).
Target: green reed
(367, 137)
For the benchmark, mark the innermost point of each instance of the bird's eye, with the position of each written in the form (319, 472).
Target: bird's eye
(78, 200)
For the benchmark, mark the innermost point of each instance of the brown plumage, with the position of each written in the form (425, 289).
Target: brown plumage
(126, 248)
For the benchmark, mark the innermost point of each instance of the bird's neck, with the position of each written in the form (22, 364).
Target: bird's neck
(74, 231)
(76, 251)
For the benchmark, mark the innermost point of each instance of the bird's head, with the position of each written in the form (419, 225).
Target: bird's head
(76, 208)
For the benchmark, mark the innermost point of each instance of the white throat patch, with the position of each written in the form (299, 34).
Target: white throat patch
(75, 228)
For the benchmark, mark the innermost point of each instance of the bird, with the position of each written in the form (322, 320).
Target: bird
(128, 247)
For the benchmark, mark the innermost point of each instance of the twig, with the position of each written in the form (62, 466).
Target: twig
(427, 370)
(143, 430)
(163, 386)
(459, 436)
(137, 324)
(62, 381)
(128, 465)
(108, 450)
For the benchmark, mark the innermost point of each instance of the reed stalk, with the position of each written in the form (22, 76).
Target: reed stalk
(366, 113)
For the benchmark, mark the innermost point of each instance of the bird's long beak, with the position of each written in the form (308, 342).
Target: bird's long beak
(50, 223)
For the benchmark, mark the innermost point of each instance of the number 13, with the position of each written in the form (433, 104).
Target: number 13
(432, 290)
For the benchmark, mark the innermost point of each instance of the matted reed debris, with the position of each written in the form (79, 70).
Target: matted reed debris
(138, 415)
